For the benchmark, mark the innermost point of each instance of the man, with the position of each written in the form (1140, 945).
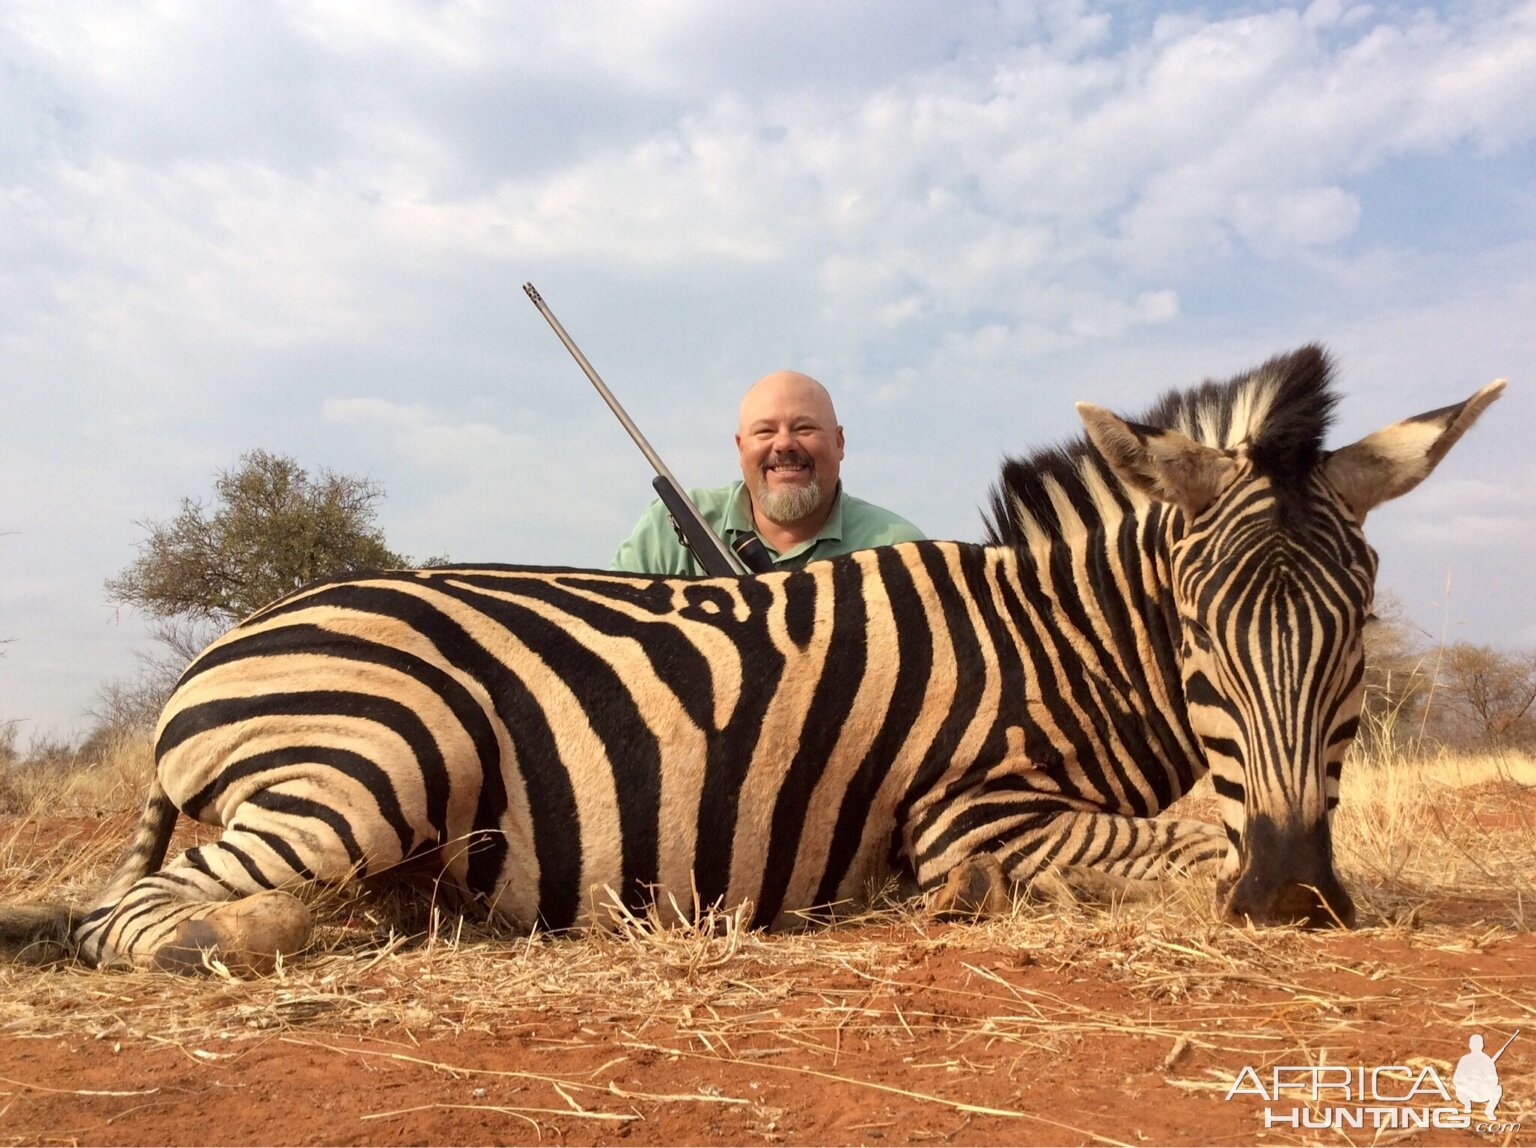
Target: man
(791, 450)
(1477, 1078)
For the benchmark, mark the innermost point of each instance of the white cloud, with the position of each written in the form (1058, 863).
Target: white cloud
(1308, 217)
(362, 412)
(952, 187)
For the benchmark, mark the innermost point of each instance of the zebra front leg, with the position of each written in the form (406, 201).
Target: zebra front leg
(1114, 845)
(979, 851)
(977, 887)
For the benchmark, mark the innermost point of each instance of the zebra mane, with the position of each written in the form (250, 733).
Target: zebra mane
(1281, 411)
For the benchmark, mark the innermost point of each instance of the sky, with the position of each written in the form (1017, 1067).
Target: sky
(303, 228)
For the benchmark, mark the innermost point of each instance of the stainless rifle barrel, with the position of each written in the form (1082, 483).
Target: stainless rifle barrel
(629, 424)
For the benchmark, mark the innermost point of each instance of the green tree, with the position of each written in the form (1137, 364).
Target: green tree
(272, 529)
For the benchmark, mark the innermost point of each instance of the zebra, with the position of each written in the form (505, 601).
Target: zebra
(1160, 598)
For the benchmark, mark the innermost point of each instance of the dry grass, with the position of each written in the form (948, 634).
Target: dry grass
(1440, 856)
(1421, 838)
(55, 780)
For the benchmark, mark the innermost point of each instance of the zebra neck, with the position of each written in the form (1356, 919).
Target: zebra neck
(1092, 614)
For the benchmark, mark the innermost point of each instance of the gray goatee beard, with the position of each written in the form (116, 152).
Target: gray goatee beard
(791, 504)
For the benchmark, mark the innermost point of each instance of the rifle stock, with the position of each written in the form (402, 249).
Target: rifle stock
(695, 531)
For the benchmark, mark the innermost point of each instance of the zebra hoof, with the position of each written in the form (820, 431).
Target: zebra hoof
(974, 888)
(246, 936)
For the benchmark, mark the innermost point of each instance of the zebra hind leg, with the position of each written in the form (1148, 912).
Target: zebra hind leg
(247, 935)
(229, 899)
(222, 900)
(219, 901)
(45, 933)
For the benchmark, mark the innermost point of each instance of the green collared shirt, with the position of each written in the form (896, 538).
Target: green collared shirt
(654, 547)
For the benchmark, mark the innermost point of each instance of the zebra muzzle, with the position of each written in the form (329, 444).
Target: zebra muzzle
(1288, 878)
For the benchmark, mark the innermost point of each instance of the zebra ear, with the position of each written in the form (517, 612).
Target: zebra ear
(1394, 460)
(1164, 464)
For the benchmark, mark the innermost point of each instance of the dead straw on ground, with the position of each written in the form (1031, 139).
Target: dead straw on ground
(1441, 858)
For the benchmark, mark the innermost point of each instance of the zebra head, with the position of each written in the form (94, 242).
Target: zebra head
(1272, 580)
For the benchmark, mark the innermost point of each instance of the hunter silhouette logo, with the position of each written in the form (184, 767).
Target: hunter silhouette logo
(1383, 1096)
(1476, 1079)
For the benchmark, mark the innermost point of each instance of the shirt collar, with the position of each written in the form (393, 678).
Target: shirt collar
(738, 520)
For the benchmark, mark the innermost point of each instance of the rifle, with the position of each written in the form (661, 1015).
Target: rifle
(1505, 1045)
(717, 559)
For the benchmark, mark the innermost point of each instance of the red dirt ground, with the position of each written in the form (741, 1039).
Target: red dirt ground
(736, 1075)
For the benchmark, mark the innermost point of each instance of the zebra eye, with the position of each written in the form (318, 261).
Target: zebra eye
(1198, 633)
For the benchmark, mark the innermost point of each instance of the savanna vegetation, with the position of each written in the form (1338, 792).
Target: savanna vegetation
(1060, 1022)
(270, 528)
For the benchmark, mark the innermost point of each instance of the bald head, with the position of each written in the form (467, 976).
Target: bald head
(791, 452)
(773, 394)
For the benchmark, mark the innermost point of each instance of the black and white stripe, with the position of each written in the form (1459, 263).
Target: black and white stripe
(1153, 598)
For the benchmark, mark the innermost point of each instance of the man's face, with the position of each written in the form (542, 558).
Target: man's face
(790, 445)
